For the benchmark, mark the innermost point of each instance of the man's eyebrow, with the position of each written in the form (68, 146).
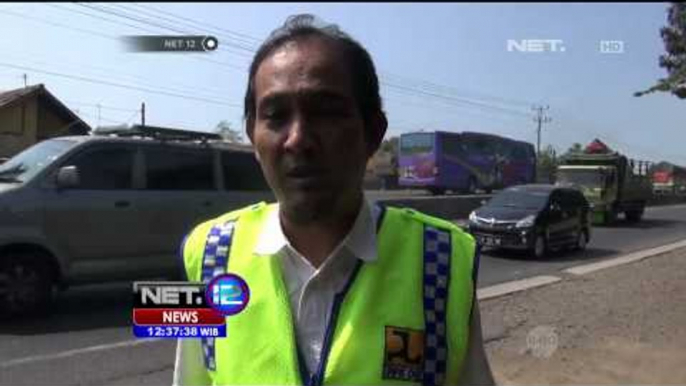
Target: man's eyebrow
(310, 95)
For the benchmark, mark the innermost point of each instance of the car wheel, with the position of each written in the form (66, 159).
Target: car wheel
(581, 240)
(26, 284)
(540, 247)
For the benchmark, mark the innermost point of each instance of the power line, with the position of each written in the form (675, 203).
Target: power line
(452, 90)
(24, 16)
(411, 90)
(59, 6)
(111, 72)
(106, 107)
(249, 39)
(113, 84)
(145, 21)
(425, 84)
(110, 37)
(227, 41)
(111, 120)
(455, 99)
(390, 84)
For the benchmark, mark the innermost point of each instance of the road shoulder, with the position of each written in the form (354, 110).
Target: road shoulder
(621, 325)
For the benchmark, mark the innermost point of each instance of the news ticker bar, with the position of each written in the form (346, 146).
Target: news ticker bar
(176, 316)
(178, 332)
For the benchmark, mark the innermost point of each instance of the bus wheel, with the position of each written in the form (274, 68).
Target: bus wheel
(437, 191)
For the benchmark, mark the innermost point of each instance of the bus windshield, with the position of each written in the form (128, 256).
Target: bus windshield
(31, 161)
(417, 143)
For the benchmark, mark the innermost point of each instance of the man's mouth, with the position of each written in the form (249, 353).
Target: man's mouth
(305, 172)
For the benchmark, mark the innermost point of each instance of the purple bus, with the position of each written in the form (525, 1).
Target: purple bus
(464, 162)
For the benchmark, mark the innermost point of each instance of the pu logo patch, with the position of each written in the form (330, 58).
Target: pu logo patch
(403, 354)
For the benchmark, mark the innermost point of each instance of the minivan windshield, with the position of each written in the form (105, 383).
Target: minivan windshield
(31, 161)
(520, 199)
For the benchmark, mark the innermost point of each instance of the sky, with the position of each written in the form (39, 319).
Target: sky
(442, 66)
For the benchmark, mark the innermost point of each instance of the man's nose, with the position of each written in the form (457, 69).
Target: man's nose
(300, 135)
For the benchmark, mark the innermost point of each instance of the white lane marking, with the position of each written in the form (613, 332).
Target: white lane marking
(514, 286)
(78, 351)
(625, 259)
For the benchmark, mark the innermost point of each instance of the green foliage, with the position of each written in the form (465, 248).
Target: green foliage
(674, 59)
(228, 134)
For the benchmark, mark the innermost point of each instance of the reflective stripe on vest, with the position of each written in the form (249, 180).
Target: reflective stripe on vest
(437, 251)
(214, 263)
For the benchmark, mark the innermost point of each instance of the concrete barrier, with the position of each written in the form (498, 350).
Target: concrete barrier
(447, 207)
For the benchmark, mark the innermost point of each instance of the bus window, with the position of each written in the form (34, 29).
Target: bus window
(417, 143)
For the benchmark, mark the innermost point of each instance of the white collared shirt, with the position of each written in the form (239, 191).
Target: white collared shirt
(311, 291)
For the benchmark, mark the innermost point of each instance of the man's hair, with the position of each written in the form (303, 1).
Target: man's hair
(365, 82)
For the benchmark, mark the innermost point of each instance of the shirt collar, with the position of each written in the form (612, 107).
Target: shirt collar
(361, 240)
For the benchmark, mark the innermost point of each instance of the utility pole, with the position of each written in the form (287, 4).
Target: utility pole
(98, 105)
(540, 118)
(25, 80)
(143, 114)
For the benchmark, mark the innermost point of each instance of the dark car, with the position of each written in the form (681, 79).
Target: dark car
(537, 218)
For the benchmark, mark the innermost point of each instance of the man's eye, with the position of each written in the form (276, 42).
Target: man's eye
(274, 114)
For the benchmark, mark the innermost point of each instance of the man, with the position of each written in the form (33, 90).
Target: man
(341, 291)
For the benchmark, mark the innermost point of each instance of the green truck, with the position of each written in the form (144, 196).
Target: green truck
(611, 182)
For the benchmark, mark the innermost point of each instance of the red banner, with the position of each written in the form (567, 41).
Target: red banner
(177, 316)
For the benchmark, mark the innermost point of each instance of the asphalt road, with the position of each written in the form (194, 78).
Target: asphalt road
(661, 225)
(88, 340)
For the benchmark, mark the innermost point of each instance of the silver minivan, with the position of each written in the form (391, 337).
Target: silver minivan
(100, 208)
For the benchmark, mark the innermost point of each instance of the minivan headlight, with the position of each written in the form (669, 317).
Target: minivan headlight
(526, 222)
(472, 216)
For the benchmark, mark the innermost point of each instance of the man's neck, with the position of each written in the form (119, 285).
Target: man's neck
(317, 239)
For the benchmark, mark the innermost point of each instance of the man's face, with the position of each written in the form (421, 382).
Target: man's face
(308, 130)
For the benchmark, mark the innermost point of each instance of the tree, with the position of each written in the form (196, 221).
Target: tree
(576, 148)
(228, 134)
(547, 163)
(674, 60)
(389, 147)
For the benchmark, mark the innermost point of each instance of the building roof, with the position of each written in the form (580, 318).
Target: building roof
(11, 97)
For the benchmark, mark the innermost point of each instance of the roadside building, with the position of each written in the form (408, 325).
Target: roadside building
(31, 114)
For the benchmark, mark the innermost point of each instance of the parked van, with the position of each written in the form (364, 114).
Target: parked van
(98, 208)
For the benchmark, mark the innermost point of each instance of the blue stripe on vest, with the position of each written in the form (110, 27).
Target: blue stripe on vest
(437, 253)
(215, 262)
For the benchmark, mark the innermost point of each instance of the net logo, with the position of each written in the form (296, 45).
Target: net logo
(228, 294)
(535, 45)
(187, 310)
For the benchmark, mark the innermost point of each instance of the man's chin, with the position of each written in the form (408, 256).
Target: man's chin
(308, 206)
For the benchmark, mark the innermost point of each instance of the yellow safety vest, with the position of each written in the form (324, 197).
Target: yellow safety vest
(402, 319)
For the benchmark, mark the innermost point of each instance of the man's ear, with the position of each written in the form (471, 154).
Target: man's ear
(376, 130)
